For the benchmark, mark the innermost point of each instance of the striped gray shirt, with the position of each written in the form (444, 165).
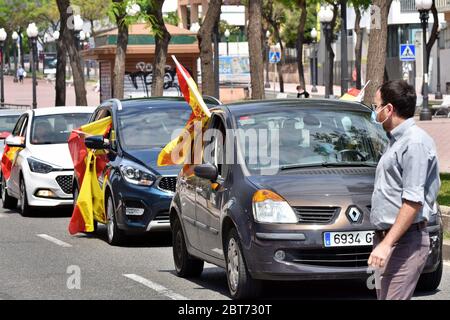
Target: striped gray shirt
(408, 170)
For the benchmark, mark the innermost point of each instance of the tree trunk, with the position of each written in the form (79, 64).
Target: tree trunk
(162, 39)
(204, 36)
(299, 42)
(255, 48)
(22, 62)
(434, 31)
(60, 79)
(120, 60)
(358, 47)
(377, 50)
(280, 65)
(68, 38)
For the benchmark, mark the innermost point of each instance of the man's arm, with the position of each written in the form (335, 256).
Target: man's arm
(405, 218)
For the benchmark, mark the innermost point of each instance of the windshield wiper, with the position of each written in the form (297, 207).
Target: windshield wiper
(328, 164)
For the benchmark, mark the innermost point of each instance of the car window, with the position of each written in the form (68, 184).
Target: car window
(7, 123)
(308, 137)
(215, 146)
(18, 126)
(56, 128)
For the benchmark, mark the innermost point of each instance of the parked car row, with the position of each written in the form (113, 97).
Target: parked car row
(307, 219)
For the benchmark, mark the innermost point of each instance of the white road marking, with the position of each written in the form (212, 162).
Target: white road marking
(447, 263)
(157, 287)
(54, 240)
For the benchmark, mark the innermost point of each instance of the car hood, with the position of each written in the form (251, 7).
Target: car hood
(57, 154)
(323, 182)
(148, 158)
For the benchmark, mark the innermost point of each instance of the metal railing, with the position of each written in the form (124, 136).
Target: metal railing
(10, 106)
(442, 5)
(410, 5)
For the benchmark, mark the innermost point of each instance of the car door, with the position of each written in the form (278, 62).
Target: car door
(13, 183)
(210, 195)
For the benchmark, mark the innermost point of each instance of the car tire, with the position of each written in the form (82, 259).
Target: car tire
(25, 208)
(240, 283)
(115, 236)
(430, 281)
(8, 202)
(186, 266)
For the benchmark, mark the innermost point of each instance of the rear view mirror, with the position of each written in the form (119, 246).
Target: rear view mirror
(207, 171)
(96, 142)
(15, 141)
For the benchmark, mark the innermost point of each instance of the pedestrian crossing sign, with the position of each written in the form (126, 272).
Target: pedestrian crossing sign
(274, 56)
(407, 52)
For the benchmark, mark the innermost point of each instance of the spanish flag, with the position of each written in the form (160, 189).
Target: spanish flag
(8, 159)
(175, 152)
(88, 164)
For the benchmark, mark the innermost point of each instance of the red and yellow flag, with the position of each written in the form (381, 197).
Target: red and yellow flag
(175, 152)
(8, 158)
(88, 164)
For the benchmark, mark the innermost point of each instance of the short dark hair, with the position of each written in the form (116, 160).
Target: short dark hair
(401, 95)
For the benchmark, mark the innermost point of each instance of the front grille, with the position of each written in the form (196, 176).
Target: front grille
(322, 215)
(168, 183)
(333, 257)
(65, 183)
(162, 216)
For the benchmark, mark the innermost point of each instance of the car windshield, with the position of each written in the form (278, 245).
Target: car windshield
(290, 138)
(56, 128)
(7, 123)
(150, 127)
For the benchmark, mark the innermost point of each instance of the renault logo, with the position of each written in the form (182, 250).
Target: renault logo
(354, 214)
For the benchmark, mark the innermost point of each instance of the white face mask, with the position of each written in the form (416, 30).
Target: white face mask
(375, 116)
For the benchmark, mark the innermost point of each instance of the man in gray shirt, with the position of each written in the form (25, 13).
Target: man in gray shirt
(406, 187)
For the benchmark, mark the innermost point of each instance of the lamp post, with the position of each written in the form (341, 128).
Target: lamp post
(344, 57)
(3, 36)
(227, 36)
(438, 94)
(15, 36)
(88, 36)
(314, 60)
(267, 85)
(424, 6)
(325, 17)
(32, 32)
(77, 28)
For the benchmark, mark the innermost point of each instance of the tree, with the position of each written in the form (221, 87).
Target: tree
(205, 37)
(162, 39)
(93, 10)
(171, 18)
(377, 47)
(359, 6)
(273, 14)
(255, 48)
(68, 37)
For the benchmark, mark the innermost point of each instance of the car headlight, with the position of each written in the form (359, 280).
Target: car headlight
(137, 176)
(269, 207)
(39, 166)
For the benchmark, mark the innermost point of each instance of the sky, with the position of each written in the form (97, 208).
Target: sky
(170, 5)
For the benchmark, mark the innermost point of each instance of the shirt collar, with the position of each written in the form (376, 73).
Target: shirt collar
(400, 130)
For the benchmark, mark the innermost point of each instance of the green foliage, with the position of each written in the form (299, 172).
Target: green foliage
(172, 18)
(289, 30)
(444, 193)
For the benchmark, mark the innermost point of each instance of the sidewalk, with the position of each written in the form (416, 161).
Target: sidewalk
(17, 93)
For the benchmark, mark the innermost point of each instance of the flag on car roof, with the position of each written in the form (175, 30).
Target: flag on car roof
(354, 94)
(88, 164)
(175, 152)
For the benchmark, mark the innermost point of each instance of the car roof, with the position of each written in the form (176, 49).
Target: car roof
(61, 110)
(168, 102)
(268, 105)
(11, 112)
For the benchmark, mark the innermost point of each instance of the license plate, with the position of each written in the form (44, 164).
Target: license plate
(348, 239)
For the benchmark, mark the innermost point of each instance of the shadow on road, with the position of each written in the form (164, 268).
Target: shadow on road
(59, 212)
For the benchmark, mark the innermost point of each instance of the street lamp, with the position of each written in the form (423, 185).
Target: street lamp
(3, 36)
(227, 35)
(32, 32)
(77, 27)
(56, 35)
(325, 17)
(267, 85)
(438, 94)
(314, 35)
(15, 36)
(424, 6)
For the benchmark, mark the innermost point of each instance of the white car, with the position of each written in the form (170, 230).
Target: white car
(42, 172)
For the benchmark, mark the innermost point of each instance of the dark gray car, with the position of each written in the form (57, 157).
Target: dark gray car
(293, 207)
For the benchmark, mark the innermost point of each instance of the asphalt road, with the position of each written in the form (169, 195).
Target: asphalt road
(40, 260)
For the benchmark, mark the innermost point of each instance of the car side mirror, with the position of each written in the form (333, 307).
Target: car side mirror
(206, 171)
(15, 141)
(96, 142)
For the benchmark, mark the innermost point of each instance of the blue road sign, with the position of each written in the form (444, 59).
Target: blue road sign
(274, 57)
(407, 52)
